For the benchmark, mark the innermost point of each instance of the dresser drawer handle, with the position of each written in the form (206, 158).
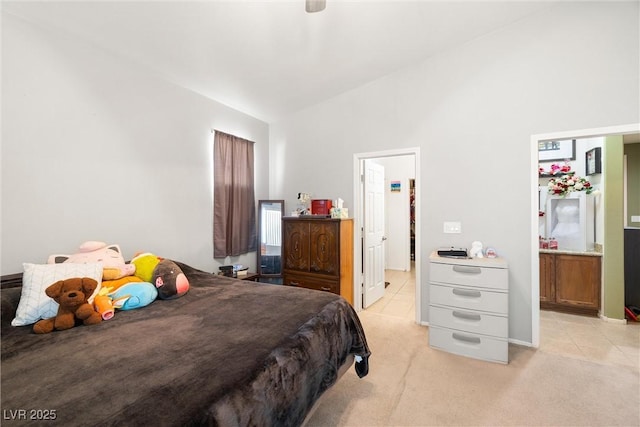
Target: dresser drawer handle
(294, 284)
(467, 269)
(466, 316)
(325, 288)
(466, 293)
(465, 338)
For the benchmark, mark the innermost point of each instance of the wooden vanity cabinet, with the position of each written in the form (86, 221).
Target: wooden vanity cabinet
(570, 282)
(318, 254)
(547, 278)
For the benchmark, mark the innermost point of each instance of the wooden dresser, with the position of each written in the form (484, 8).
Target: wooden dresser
(317, 253)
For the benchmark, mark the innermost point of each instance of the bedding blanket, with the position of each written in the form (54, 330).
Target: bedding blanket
(229, 353)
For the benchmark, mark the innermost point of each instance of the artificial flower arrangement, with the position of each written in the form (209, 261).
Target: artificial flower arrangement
(556, 169)
(568, 184)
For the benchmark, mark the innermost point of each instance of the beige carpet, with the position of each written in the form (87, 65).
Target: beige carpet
(410, 384)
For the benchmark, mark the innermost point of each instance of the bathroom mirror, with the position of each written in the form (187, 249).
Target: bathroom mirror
(270, 237)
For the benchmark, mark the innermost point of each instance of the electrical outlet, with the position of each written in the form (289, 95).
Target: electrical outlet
(452, 227)
(635, 218)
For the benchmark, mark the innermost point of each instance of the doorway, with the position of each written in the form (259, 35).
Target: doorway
(612, 252)
(359, 215)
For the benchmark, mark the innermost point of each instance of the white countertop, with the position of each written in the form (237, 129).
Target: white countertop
(560, 251)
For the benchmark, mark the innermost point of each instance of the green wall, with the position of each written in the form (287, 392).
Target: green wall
(632, 151)
(613, 259)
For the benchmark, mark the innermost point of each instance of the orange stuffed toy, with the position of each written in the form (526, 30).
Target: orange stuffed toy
(72, 296)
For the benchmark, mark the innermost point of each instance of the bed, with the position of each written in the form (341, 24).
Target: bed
(228, 353)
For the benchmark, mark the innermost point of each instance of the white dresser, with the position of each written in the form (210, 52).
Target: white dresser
(469, 307)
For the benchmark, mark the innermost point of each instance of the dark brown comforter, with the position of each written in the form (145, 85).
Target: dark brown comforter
(229, 352)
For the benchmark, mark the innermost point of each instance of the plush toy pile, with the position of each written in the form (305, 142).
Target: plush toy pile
(125, 286)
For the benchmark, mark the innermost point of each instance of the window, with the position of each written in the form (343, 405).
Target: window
(234, 222)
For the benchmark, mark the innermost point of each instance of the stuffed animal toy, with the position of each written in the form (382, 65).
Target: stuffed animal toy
(476, 250)
(135, 294)
(169, 279)
(163, 273)
(145, 263)
(104, 304)
(109, 255)
(115, 284)
(72, 296)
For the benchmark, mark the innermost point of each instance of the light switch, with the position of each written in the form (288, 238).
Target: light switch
(452, 227)
(635, 218)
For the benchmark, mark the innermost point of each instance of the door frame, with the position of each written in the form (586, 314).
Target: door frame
(535, 260)
(358, 216)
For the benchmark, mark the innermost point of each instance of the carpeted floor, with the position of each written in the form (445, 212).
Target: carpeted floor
(410, 384)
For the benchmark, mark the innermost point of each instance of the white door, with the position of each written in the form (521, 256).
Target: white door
(373, 232)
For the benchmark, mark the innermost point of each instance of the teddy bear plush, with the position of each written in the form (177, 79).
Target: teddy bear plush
(72, 296)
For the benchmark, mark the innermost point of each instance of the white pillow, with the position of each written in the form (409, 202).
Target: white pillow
(34, 303)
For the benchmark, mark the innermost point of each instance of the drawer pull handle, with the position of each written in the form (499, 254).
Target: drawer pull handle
(466, 316)
(465, 338)
(325, 288)
(467, 269)
(294, 284)
(466, 293)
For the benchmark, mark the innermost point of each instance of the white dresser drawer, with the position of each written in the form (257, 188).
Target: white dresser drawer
(470, 275)
(469, 298)
(470, 345)
(469, 321)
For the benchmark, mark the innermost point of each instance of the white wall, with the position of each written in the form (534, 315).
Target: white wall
(472, 110)
(95, 147)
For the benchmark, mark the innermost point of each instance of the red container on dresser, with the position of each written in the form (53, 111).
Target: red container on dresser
(320, 207)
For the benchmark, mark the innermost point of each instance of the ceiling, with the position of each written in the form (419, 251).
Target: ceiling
(271, 58)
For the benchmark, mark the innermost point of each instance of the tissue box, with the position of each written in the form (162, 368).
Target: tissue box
(341, 213)
(320, 207)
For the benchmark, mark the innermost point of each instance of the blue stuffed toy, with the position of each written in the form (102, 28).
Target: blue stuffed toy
(134, 295)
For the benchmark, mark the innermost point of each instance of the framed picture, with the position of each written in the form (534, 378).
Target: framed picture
(549, 151)
(593, 161)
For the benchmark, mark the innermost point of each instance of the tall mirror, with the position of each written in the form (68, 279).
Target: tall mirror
(270, 239)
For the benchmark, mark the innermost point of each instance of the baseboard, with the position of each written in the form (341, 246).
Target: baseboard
(611, 320)
(519, 342)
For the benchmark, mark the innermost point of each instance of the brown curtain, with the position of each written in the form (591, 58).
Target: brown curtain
(234, 213)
